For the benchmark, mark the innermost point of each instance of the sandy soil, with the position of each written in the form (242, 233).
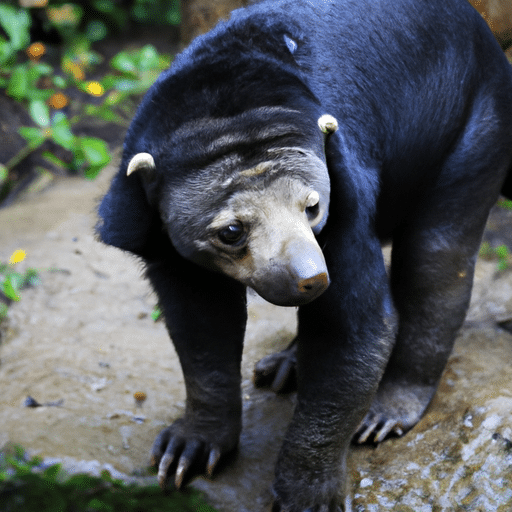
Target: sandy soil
(85, 336)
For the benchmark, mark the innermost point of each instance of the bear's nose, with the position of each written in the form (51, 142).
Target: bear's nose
(313, 286)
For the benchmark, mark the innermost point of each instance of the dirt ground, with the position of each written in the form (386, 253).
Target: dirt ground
(85, 336)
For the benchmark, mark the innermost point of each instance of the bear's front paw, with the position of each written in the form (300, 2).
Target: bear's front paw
(310, 492)
(185, 451)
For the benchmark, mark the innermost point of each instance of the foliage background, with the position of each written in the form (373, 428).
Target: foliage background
(54, 65)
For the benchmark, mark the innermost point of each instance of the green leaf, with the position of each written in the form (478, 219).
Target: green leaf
(43, 68)
(96, 150)
(96, 153)
(126, 85)
(156, 313)
(39, 112)
(54, 160)
(78, 160)
(19, 452)
(108, 82)
(78, 49)
(104, 5)
(82, 481)
(10, 289)
(92, 171)
(39, 94)
(18, 83)
(104, 112)
(61, 132)
(33, 135)
(174, 14)
(124, 63)
(6, 51)
(164, 61)
(148, 57)
(4, 173)
(97, 504)
(33, 74)
(16, 24)
(31, 278)
(52, 472)
(502, 251)
(502, 265)
(16, 280)
(59, 81)
(505, 203)
(96, 30)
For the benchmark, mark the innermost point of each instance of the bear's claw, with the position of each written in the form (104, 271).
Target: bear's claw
(278, 371)
(376, 429)
(187, 455)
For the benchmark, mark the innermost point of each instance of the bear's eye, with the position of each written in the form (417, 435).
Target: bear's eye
(312, 211)
(312, 205)
(232, 234)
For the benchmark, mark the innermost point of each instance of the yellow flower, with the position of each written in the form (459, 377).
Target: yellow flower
(58, 100)
(66, 14)
(17, 256)
(36, 50)
(140, 396)
(95, 89)
(74, 69)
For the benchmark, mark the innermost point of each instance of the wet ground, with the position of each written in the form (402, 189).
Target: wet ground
(85, 336)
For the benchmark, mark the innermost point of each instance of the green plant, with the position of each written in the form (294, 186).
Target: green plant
(26, 485)
(501, 253)
(16, 24)
(156, 314)
(44, 88)
(157, 11)
(11, 281)
(505, 203)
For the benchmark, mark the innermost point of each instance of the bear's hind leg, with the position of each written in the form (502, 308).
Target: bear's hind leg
(278, 371)
(431, 288)
(431, 279)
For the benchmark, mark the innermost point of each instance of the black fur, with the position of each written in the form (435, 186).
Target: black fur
(423, 96)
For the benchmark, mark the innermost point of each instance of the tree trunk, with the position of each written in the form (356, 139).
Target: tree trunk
(199, 16)
(498, 15)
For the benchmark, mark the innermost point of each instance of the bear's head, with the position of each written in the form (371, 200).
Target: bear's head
(245, 199)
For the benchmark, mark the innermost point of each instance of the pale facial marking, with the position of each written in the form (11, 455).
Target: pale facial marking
(258, 224)
(261, 168)
(278, 249)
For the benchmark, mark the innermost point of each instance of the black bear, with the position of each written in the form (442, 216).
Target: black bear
(278, 152)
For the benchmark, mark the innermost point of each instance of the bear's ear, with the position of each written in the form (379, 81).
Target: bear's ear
(127, 220)
(290, 43)
(328, 124)
(140, 161)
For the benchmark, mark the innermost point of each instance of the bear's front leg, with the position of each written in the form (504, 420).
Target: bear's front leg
(344, 341)
(205, 315)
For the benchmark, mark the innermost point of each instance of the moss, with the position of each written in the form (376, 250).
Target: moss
(28, 486)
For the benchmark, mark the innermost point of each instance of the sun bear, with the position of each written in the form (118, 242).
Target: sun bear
(278, 152)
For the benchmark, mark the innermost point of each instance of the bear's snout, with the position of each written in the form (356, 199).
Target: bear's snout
(298, 276)
(313, 285)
